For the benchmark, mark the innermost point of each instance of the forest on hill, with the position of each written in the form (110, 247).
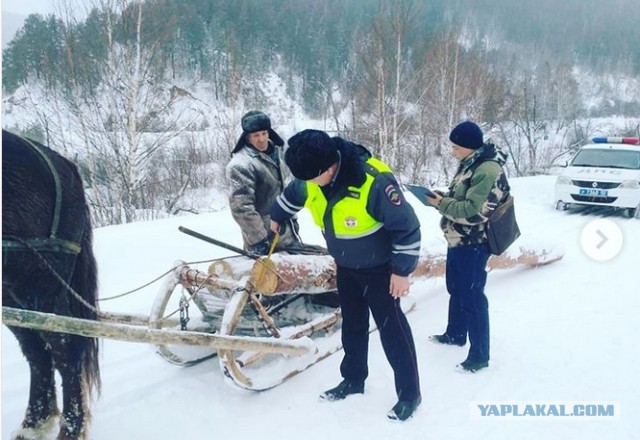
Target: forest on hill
(394, 75)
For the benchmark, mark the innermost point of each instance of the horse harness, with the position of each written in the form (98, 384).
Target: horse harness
(51, 243)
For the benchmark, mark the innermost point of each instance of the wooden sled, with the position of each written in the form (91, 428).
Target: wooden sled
(290, 298)
(265, 319)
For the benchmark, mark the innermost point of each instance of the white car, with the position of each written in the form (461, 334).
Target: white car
(604, 173)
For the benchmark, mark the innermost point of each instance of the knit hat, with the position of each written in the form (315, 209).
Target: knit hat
(468, 135)
(256, 121)
(310, 153)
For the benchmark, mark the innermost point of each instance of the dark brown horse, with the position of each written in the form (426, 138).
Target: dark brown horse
(48, 265)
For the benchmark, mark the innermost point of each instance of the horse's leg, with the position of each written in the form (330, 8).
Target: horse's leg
(68, 355)
(41, 416)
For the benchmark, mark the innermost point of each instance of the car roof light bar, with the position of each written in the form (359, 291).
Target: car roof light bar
(616, 140)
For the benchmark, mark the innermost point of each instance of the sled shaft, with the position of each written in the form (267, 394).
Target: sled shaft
(132, 333)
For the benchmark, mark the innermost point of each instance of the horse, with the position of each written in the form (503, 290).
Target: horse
(48, 265)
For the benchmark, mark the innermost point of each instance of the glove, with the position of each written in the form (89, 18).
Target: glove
(261, 247)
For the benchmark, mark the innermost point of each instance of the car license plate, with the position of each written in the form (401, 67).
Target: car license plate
(593, 192)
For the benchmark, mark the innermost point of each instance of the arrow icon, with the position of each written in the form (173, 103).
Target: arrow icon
(601, 239)
(604, 239)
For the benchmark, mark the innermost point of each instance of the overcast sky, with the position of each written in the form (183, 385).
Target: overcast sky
(15, 11)
(26, 7)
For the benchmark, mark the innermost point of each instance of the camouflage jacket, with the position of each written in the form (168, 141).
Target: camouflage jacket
(479, 185)
(255, 180)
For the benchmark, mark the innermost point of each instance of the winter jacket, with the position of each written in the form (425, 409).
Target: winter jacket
(255, 180)
(363, 215)
(479, 185)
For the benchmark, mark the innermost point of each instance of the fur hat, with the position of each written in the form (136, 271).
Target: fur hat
(310, 153)
(256, 121)
(468, 135)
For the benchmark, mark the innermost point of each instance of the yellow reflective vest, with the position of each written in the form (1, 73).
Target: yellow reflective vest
(349, 215)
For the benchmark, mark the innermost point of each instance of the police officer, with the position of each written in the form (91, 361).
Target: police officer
(374, 236)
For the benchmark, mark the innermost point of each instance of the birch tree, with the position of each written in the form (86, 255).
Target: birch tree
(385, 58)
(121, 118)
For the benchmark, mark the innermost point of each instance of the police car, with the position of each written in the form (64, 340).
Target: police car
(603, 173)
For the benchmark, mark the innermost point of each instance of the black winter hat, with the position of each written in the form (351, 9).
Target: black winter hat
(256, 121)
(310, 153)
(468, 135)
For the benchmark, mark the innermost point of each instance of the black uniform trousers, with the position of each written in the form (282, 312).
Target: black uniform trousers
(361, 290)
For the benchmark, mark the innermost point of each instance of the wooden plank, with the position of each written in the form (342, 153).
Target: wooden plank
(132, 333)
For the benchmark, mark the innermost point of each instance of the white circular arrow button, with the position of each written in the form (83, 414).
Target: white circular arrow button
(601, 239)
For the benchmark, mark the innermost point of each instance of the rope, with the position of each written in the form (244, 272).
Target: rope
(263, 263)
(160, 277)
(99, 314)
(66, 285)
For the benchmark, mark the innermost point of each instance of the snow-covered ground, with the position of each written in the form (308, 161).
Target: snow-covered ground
(561, 333)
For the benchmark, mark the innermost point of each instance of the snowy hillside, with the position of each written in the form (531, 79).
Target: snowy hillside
(561, 333)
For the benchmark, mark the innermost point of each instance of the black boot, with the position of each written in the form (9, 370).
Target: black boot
(447, 340)
(344, 389)
(404, 409)
(472, 366)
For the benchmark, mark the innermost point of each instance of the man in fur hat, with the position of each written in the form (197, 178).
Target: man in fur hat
(374, 236)
(255, 176)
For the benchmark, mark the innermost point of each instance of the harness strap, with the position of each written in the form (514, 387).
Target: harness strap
(56, 180)
(52, 243)
(40, 245)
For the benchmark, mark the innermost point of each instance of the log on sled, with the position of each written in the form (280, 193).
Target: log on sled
(284, 274)
(519, 255)
(285, 297)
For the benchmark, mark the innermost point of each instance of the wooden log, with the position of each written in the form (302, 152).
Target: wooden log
(430, 266)
(283, 273)
(294, 273)
(315, 274)
(195, 278)
(130, 333)
(529, 258)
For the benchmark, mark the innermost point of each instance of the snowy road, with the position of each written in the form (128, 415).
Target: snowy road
(564, 332)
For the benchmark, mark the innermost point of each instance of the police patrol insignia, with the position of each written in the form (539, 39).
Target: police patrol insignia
(350, 222)
(392, 193)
